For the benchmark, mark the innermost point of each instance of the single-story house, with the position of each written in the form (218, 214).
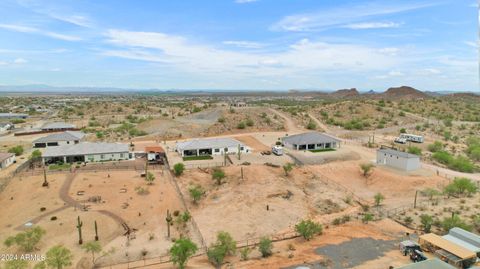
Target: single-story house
(86, 152)
(6, 159)
(59, 139)
(311, 141)
(465, 239)
(211, 146)
(398, 159)
(58, 126)
(428, 264)
(13, 116)
(5, 127)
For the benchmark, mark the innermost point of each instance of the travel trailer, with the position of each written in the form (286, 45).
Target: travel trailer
(412, 138)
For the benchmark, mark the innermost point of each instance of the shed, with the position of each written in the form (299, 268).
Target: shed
(6, 159)
(398, 159)
(428, 264)
(453, 253)
(58, 139)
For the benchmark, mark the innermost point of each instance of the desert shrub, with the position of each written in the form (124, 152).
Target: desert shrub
(218, 175)
(178, 169)
(265, 247)
(241, 125)
(461, 187)
(455, 221)
(181, 251)
(435, 147)
(249, 122)
(415, 150)
(427, 222)
(196, 192)
(311, 125)
(27, 240)
(17, 150)
(308, 228)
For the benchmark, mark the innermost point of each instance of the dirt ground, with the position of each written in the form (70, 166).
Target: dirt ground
(23, 198)
(381, 180)
(239, 206)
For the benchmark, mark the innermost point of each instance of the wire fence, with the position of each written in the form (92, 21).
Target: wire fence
(203, 165)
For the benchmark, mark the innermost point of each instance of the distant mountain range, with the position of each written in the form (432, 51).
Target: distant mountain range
(402, 92)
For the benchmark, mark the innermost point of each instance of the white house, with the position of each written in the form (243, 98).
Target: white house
(87, 152)
(5, 127)
(211, 146)
(58, 126)
(59, 139)
(398, 159)
(6, 159)
(310, 141)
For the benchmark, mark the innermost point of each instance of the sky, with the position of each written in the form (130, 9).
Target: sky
(241, 44)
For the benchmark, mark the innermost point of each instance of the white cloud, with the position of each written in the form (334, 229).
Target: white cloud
(244, 44)
(19, 61)
(345, 15)
(431, 71)
(32, 30)
(389, 51)
(301, 56)
(245, 1)
(472, 43)
(79, 20)
(3, 63)
(394, 73)
(371, 25)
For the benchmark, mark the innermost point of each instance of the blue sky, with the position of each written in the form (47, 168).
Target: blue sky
(240, 44)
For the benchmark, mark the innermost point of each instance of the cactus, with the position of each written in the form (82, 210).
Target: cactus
(45, 182)
(79, 227)
(96, 231)
(169, 220)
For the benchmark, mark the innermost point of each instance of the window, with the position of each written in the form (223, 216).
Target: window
(217, 150)
(242, 148)
(102, 156)
(121, 155)
(68, 142)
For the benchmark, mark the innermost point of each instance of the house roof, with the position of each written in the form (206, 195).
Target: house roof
(85, 148)
(65, 136)
(310, 138)
(466, 236)
(5, 155)
(398, 153)
(461, 243)
(58, 125)
(428, 264)
(446, 245)
(208, 143)
(8, 115)
(150, 149)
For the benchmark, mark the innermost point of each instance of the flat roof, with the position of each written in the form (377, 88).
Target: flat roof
(428, 264)
(85, 148)
(310, 138)
(65, 136)
(444, 244)
(466, 236)
(6, 115)
(398, 153)
(58, 125)
(208, 143)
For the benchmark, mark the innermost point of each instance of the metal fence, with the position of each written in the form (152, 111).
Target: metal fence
(203, 165)
(20, 169)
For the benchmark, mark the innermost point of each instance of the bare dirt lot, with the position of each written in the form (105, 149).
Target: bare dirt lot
(240, 205)
(119, 203)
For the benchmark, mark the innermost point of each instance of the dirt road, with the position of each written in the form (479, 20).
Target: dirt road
(289, 123)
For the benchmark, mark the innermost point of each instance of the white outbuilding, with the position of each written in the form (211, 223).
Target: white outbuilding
(398, 159)
(59, 139)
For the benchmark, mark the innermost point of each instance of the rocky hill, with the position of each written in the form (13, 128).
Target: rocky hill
(345, 93)
(403, 92)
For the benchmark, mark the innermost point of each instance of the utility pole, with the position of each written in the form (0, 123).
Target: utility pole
(45, 182)
(415, 201)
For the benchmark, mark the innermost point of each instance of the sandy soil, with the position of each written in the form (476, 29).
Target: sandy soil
(239, 205)
(348, 174)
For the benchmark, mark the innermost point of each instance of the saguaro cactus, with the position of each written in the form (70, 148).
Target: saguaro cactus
(79, 227)
(96, 231)
(45, 182)
(169, 221)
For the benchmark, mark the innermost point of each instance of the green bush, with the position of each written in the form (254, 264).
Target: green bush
(241, 125)
(436, 146)
(308, 229)
(178, 169)
(415, 150)
(17, 150)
